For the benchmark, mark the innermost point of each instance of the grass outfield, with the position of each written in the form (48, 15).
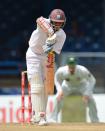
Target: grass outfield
(54, 127)
(74, 109)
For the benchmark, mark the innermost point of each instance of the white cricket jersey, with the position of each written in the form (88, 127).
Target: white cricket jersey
(39, 37)
(81, 77)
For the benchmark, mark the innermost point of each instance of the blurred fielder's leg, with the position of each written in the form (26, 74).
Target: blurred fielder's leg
(92, 110)
(58, 105)
(53, 114)
(87, 92)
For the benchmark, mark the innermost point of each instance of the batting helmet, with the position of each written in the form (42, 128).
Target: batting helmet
(71, 61)
(57, 18)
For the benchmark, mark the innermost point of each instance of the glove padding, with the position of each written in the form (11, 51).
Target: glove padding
(47, 48)
(49, 43)
(51, 40)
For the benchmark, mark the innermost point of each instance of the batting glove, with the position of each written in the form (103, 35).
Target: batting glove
(47, 48)
(51, 40)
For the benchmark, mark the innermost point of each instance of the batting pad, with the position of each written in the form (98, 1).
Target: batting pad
(38, 105)
(36, 83)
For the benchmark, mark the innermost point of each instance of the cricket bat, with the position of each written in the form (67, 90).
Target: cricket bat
(50, 70)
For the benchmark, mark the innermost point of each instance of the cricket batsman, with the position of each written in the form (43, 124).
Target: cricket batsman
(48, 36)
(74, 78)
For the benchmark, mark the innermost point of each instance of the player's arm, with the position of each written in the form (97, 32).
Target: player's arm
(55, 44)
(90, 82)
(90, 78)
(58, 79)
(59, 43)
(45, 26)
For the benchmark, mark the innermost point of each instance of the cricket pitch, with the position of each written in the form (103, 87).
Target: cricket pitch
(54, 127)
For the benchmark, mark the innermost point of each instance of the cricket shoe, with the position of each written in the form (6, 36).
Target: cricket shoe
(34, 119)
(51, 121)
(42, 121)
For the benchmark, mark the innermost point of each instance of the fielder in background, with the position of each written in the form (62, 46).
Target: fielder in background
(48, 36)
(74, 78)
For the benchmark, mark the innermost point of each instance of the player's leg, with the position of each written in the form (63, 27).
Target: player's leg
(52, 117)
(38, 96)
(89, 102)
(92, 110)
(58, 104)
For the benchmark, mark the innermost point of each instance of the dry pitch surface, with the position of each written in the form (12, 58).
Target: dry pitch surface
(54, 127)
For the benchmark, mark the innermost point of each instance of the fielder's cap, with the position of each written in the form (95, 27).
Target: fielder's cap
(71, 61)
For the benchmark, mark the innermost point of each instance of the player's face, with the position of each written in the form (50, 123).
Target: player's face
(57, 25)
(72, 69)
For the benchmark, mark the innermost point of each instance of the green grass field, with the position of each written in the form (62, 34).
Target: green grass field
(74, 109)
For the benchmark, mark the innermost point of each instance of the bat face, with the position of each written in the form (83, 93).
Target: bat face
(49, 82)
(50, 60)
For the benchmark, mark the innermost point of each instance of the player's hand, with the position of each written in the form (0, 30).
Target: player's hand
(51, 40)
(85, 99)
(47, 48)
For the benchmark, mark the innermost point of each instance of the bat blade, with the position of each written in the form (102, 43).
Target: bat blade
(50, 70)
